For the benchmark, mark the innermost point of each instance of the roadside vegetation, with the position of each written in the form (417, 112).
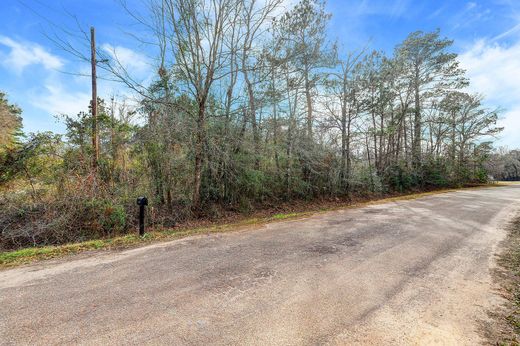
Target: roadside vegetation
(250, 109)
(504, 165)
(292, 211)
(505, 328)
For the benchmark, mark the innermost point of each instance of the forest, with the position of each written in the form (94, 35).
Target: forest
(251, 106)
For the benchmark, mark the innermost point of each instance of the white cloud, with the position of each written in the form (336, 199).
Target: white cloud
(47, 92)
(56, 99)
(130, 60)
(284, 6)
(470, 5)
(23, 54)
(493, 70)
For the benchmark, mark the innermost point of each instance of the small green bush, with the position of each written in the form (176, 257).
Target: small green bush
(113, 219)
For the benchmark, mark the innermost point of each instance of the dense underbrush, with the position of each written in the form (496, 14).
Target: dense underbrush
(47, 217)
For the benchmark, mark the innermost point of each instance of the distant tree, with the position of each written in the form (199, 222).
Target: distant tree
(11, 120)
(468, 121)
(504, 164)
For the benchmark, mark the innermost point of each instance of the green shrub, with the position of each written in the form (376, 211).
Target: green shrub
(113, 218)
(399, 178)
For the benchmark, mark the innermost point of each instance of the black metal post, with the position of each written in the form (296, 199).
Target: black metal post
(141, 220)
(141, 202)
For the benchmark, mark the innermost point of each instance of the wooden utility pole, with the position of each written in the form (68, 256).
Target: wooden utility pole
(95, 140)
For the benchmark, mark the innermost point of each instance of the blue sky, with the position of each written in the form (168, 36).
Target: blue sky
(32, 67)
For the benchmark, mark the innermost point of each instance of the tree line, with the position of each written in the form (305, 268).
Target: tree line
(504, 164)
(249, 107)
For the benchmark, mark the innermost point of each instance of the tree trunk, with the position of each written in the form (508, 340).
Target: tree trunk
(309, 105)
(252, 111)
(95, 140)
(199, 152)
(416, 146)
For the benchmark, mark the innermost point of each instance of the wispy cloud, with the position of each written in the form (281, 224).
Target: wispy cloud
(18, 55)
(57, 98)
(471, 14)
(494, 69)
(399, 8)
(471, 5)
(394, 9)
(514, 30)
(437, 12)
(128, 59)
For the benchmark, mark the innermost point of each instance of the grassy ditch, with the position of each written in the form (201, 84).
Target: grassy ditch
(28, 255)
(505, 328)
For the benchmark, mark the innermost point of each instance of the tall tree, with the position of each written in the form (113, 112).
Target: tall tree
(254, 17)
(344, 106)
(197, 31)
(430, 70)
(303, 31)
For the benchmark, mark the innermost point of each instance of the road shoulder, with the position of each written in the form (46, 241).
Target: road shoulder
(503, 325)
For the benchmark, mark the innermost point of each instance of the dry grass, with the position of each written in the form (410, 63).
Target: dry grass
(503, 328)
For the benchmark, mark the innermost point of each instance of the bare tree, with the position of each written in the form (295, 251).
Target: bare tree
(196, 33)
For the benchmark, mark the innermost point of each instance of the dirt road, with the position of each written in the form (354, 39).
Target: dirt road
(408, 272)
